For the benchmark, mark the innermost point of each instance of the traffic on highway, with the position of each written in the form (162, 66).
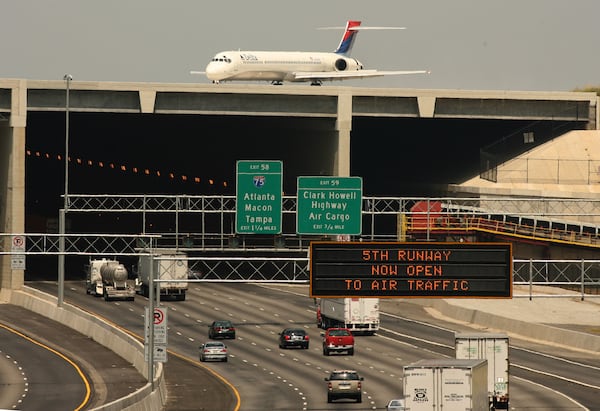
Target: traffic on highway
(266, 375)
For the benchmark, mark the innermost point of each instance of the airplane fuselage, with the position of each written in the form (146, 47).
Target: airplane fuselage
(276, 66)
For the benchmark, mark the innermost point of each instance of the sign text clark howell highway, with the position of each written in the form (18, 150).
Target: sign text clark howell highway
(398, 269)
(329, 205)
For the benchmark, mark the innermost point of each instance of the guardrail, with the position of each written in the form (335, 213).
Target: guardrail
(579, 275)
(576, 235)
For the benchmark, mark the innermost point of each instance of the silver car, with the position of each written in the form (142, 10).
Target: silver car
(213, 350)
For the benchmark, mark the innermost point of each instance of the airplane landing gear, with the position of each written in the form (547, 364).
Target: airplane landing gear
(316, 83)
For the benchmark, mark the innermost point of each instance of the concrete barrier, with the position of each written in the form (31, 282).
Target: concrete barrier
(121, 343)
(535, 331)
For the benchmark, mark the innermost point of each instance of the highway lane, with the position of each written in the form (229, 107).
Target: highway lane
(14, 381)
(36, 377)
(268, 377)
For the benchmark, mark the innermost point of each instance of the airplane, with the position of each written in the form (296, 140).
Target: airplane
(296, 66)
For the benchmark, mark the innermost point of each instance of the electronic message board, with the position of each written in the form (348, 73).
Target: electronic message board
(399, 269)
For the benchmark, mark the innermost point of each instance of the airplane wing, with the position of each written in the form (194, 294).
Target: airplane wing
(197, 72)
(341, 75)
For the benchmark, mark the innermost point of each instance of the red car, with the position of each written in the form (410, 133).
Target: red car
(338, 340)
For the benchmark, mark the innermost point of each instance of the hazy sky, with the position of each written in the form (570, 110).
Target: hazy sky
(550, 45)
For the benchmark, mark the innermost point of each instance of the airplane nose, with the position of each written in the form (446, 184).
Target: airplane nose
(212, 71)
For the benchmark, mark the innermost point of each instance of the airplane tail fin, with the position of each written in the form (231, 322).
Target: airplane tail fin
(350, 32)
(347, 41)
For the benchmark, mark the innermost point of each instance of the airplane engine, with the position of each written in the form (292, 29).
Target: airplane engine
(341, 64)
(345, 64)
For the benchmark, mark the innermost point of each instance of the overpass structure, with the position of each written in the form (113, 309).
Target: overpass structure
(341, 107)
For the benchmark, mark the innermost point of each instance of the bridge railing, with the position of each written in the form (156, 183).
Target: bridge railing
(582, 275)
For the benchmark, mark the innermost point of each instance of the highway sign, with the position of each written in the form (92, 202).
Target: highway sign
(159, 321)
(160, 353)
(398, 269)
(17, 248)
(329, 205)
(17, 262)
(258, 197)
(18, 244)
(160, 325)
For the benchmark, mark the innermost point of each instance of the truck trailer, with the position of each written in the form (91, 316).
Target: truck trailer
(108, 278)
(493, 348)
(359, 315)
(168, 265)
(446, 385)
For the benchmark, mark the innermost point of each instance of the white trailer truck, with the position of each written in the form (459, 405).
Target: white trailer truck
(493, 348)
(446, 384)
(166, 265)
(108, 278)
(359, 315)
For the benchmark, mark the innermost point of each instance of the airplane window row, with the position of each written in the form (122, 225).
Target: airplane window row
(223, 59)
(292, 62)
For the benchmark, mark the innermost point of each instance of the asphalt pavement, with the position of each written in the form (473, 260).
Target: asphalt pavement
(189, 386)
(558, 320)
(111, 376)
(553, 315)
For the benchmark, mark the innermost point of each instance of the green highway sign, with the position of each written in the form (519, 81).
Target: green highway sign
(329, 205)
(258, 197)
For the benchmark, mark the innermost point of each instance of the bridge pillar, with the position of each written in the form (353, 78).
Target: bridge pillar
(343, 125)
(12, 182)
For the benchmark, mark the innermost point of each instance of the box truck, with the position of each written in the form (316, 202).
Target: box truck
(359, 315)
(446, 385)
(167, 265)
(493, 348)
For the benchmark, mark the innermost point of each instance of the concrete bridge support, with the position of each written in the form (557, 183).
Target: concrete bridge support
(343, 126)
(12, 181)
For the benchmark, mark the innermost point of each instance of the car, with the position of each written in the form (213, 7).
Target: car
(395, 405)
(294, 337)
(338, 340)
(213, 350)
(344, 384)
(221, 329)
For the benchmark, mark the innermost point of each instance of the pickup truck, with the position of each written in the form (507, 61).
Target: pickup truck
(338, 340)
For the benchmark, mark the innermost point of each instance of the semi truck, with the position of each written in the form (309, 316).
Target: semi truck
(164, 265)
(359, 315)
(108, 278)
(446, 384)
(492, 347)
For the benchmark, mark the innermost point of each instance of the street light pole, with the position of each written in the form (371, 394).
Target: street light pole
(68, 79)
(62, 213)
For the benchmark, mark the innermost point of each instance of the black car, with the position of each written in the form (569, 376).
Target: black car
(221, 329)
(293, 337)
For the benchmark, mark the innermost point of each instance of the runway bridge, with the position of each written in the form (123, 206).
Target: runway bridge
(185, 138)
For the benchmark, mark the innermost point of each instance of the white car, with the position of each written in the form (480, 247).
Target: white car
(395, 405)
(213, 350)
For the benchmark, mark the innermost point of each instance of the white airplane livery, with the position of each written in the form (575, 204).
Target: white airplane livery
(296, 66)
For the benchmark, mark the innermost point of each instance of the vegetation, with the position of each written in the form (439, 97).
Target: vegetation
(591, 89)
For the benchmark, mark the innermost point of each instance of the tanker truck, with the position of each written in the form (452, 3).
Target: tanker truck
(108, 278)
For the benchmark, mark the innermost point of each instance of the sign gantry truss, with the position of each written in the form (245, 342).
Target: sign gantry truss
(379, 214)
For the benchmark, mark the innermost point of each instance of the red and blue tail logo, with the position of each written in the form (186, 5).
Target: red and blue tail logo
(347, 41)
